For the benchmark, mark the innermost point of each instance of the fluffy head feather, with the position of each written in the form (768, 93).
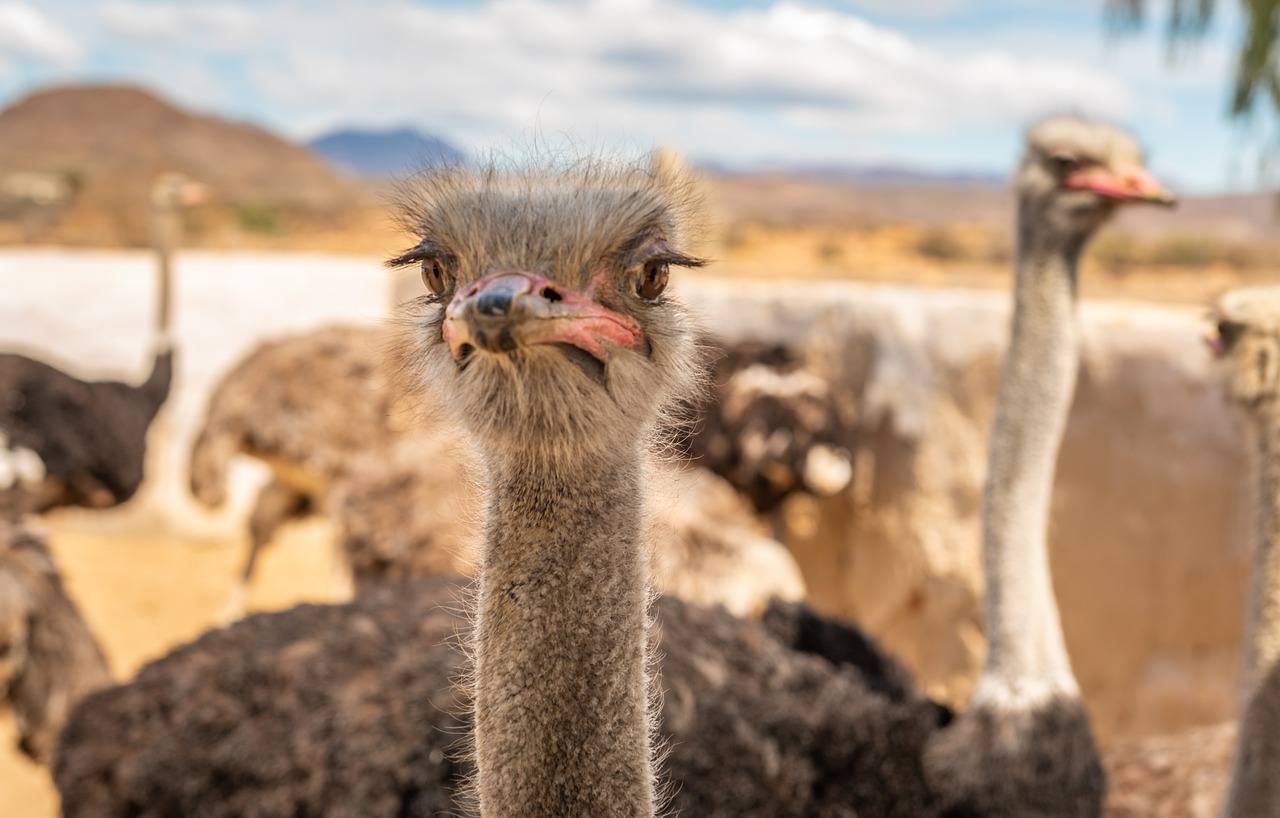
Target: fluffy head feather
(590, 226)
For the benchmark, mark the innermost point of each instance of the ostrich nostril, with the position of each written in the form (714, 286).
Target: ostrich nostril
(551, 295)
(496, 301)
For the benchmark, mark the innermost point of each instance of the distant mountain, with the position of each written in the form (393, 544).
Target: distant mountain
(110, 142)
(384, 153)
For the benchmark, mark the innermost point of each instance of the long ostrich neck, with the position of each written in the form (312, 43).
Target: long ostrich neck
(1025, 646)
(1255, 789)
(562, 723)
(1262, 652)
(165, 229)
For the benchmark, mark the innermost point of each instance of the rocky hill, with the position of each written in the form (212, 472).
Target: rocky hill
(76, 164)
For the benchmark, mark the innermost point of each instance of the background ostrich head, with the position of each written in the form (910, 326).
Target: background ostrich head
(546, 325)
(1247, 338)
(1075, 172)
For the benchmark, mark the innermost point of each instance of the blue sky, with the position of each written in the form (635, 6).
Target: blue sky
(936, 84)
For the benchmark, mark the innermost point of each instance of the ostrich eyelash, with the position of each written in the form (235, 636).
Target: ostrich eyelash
(424, 251)
(675, 260)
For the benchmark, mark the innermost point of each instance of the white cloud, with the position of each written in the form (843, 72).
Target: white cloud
(217, 27)
(798, 80)
(654, 70)
(25, 32)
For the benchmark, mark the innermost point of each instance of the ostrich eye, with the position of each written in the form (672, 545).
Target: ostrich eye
(653, 279)
(434, 276)
(1064, 163)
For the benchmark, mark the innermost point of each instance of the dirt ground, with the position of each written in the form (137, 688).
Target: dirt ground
(123, 577)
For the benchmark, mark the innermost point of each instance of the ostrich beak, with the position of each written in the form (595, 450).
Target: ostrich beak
(1133, 185)
(507, 310)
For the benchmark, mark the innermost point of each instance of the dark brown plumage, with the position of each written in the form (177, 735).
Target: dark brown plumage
(355, 710)
(49, 658)
(90, 436)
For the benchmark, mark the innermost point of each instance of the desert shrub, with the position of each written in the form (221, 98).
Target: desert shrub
(830, 251)
(938, 243)
(1116, 251)
(1189, 251)
(257, 217)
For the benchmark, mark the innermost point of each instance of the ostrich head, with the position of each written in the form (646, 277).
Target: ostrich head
(1076, 172)
(1247, 338)
(546, 326)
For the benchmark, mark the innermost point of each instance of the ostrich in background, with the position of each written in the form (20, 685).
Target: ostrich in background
(318, 409)
(792, 716)
(305, 405)
(413, 510)
(1192, 774)
(1024, 738)
(771, 426)
(71, 442)
(49, 659)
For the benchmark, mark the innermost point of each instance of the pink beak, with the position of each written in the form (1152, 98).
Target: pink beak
(1136, 185)
(507, 310)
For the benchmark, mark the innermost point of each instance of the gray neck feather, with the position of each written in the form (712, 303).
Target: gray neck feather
(1026, 655)
(562, 723)
(1255, 782)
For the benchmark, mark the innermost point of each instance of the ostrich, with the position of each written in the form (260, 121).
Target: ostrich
(1024, 738)
(410, 510)
(67, 441)
(1191, 774)
(771, 427)
(791, 716)
(49, 659)
(318, 409)
(306, 405)
(1249, 340)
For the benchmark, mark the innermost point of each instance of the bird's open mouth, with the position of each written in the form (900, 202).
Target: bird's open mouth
(588, 364)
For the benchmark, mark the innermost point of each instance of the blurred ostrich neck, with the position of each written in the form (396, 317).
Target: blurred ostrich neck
(165, 232)
(1255, 788)
(1263, 637)
(562, 723)
(1026, 654)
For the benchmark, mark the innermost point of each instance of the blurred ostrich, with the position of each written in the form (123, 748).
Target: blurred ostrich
(1186, 775)
(1025, 738)
(317, 408)
(413, 510)
(49, 659)
(771, 426)
(67, 441)
(305, 405)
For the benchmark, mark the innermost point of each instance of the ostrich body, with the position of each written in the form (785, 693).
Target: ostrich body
(357, 710)
(411, 511)
(1024, 738)
(318, 410)
(798, 716)
(67, 441)
(771, 427)
(49, 659)
(306, 405)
